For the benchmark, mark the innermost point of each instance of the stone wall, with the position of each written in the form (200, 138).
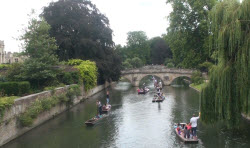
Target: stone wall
(10, 128)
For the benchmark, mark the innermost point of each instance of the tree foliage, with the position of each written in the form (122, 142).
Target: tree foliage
(159, 50)
(132, 63)
(38, 69)
(83, 32)
(88, 72)
(138, 46)
(228, 93)
(188, 31)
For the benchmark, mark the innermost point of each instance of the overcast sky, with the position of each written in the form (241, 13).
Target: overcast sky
(124, 16)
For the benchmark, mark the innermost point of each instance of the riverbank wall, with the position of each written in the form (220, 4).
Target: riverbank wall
(10, 127)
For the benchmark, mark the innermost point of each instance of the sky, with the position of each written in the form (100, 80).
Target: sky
(124, 16)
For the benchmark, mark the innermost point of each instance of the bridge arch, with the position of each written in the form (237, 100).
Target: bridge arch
(175, 78)
(167, 75)
(155, 75)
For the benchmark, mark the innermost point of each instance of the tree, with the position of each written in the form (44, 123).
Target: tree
(159, 50)
(188, 32)
(40, 48)
(228, 92)
(138, 46)
(82, 32)
(132, 63)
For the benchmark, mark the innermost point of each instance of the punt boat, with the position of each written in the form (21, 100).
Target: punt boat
(106, 109)
(186, 140)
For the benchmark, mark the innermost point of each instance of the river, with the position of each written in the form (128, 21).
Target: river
(134, 122)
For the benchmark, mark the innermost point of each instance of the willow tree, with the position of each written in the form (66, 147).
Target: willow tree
(228, 92)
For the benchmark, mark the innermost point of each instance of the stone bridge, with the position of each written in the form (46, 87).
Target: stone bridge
(167, 75)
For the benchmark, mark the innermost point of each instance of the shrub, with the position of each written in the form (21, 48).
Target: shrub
(63, 98)
(14, 72)
(126, 65)
(15, 88)
(2, 79)
(35, 109)
(46, 104)
(196, 77)
(170, 65)
(3, 66)
(76, 77)
(88, 73)
(205, 66)
(24, 87)
(25, 120)
(74, 62)
(67, 78)
(76, 89)
(6, 102)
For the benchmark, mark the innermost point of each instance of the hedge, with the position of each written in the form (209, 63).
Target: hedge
(15, 88)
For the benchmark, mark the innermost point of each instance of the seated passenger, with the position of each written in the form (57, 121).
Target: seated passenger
(175, 126)
(107, 106)
(104, 107)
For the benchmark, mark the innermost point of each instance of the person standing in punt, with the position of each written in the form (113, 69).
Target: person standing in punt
(97, 106)
(193, 122)
(100, 107)
(107, 97)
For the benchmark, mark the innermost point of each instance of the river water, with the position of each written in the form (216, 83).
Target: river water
(134, 122)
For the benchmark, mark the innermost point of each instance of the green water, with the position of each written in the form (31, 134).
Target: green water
(134, 122)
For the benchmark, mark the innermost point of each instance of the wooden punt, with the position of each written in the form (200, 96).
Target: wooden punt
(154, 99)
(159, 100)
(106, 110)
(143, 92)
(94, 120)
(185, 140)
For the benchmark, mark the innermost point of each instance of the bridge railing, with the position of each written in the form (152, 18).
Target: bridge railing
(158, 69)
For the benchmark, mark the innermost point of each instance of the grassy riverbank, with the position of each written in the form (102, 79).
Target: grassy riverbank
(199, 86)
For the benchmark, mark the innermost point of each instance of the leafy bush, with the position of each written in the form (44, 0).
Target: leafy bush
(170, 65)
(126, 65)
(14, 88)
(74, 62)
(132, 63)
(67, 78)
(136, 62)
(6, 102)
(76, 77)
(46, 104)
(14, 72)
(88, 72)
(197, 78)
(26, 120)
(205, 66)
(2, 66)
(24, 87)
(63, 98)
(2, 79)
(76, 89)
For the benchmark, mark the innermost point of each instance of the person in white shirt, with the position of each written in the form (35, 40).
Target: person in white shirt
(193, 122)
